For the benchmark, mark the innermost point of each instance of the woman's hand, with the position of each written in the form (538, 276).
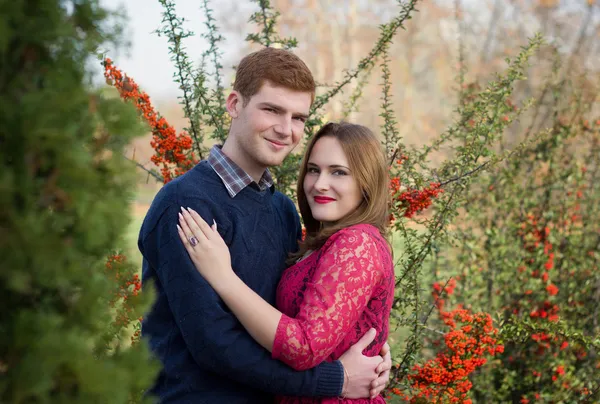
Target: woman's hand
(206, 247)
(210, 255)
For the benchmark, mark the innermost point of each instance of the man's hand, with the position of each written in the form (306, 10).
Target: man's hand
(365, 377)
(383, 370)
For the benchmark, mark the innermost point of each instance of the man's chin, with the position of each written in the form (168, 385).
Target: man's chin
(275, 163)
(275, 160)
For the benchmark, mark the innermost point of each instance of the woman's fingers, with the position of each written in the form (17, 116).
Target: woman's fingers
(196, 222)
(195, 229)
(209, 231)
(194, 236)
(184, 239)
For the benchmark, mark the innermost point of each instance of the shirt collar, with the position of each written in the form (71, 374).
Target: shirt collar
(233, 176)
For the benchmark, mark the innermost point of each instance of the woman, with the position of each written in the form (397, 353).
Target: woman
(342, 282)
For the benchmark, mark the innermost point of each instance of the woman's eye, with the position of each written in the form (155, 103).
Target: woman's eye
(312, 170)
(340, 172)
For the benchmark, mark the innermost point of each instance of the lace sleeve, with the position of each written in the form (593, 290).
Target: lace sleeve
(348, 270)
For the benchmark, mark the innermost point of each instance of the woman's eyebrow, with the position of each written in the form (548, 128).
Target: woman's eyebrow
(330, 166)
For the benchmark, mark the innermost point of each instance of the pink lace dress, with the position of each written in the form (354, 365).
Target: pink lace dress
(329, 301)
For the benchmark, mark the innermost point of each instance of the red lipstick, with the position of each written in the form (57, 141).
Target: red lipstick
(323, 199)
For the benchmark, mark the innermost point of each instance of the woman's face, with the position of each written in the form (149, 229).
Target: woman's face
(330, 187)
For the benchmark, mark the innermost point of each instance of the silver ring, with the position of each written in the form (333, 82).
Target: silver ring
(193, 241)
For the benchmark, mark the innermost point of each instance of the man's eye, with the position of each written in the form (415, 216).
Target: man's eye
(301, 119)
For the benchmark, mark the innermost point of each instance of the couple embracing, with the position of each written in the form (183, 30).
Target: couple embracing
(246, 312)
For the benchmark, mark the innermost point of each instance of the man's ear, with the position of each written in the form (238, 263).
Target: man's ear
(233, 104)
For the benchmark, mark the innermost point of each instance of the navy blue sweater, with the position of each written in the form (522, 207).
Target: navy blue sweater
(207, 355)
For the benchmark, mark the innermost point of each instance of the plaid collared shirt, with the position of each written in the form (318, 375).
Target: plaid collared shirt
(234, 178)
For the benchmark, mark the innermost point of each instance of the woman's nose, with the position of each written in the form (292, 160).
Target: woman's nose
(322, 183)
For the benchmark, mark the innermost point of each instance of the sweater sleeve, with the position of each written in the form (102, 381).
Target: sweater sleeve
(347, 272)
(214, 337)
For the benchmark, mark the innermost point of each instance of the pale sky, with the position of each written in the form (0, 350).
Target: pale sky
(147, 59)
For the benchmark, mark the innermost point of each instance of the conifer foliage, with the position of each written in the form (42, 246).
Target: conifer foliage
(64, 191)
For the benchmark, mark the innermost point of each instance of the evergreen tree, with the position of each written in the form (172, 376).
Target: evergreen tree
(65, 187)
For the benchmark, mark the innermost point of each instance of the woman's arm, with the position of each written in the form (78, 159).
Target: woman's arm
(212, 259)
(256, 315)
(348, 271)
(334, 299)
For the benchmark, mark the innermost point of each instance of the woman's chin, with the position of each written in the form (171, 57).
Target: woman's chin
(324, 218)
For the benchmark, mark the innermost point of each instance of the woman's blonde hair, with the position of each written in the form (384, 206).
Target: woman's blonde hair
(369, 168)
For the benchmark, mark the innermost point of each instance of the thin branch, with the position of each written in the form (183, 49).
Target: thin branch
(150, 172)
(426, 318)
(422, 252)
(394, 155)
(387, 34)
(267, 26)
(175, 34)
(464, 175)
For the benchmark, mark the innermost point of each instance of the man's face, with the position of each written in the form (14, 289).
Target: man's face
(268, 128)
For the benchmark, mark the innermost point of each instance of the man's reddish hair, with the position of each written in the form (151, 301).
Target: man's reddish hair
(277, 66)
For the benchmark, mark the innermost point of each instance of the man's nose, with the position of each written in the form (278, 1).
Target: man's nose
(284, 127)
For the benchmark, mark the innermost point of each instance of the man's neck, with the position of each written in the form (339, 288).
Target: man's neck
(238, 157)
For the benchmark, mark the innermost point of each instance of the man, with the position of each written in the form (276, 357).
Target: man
(207, 355)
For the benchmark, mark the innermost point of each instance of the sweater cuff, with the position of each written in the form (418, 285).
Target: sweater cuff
(330, 379)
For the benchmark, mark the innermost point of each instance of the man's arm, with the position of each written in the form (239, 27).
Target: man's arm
(213, 335)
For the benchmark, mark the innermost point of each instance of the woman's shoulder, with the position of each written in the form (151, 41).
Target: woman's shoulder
(359, 234)
(358, 229)
(362, 242)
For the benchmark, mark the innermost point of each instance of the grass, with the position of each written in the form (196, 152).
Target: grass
(131, 237)
(138, 208)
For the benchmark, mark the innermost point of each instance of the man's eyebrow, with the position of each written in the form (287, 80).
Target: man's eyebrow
(272, 106)
(301, 115)
(280, 109)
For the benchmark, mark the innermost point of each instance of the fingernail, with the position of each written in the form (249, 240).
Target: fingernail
(180, 216)
(182, 208)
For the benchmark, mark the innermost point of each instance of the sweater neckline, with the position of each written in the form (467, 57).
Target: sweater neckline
(248, 192)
